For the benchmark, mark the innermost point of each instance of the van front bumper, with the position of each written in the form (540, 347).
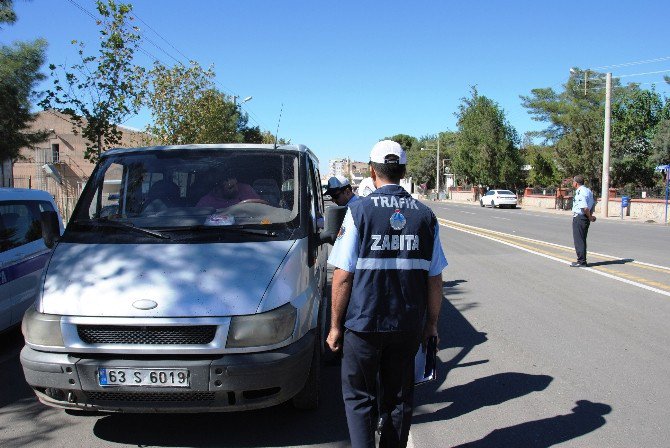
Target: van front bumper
(218, 383)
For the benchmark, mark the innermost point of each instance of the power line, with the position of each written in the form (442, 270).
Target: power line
(628, 64)
(162, 38)
(143, 36)
(642, 74)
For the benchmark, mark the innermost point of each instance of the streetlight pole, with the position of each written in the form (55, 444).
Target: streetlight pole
(235, 97)
(604, 194)
(437, 171)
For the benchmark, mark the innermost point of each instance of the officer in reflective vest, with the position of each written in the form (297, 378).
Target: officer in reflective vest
(387, 292)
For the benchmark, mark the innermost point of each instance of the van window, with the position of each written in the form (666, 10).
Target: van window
(193, 187)
(20, 222)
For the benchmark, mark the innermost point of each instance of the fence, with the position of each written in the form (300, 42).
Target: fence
(65, 194)
(642, 193)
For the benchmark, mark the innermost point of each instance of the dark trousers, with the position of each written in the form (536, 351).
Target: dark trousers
(580, 228)
(387, 358)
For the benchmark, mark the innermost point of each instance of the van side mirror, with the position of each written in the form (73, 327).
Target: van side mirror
(50, 228)
(334, 216)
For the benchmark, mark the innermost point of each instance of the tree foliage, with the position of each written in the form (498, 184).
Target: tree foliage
(575, 124)
(187, 108)
(101, 92)
(486, 147)
(19, 73)
(635, 118)
(543, 171)
(661, 144)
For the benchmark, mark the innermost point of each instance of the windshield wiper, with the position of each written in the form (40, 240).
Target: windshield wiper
(104, 222)
(233, 228)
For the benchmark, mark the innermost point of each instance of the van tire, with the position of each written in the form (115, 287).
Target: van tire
(308, 398)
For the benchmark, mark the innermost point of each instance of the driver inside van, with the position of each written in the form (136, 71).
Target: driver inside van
(227, 191)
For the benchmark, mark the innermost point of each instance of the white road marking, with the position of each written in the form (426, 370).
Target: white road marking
(454, 225)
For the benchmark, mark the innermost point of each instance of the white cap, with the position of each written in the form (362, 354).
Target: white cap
(388, 148)
(366, 187)
(335, 183)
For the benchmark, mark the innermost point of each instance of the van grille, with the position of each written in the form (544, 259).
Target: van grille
(121, 334)
(151, 397)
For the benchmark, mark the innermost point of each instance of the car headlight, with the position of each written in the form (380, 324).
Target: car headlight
(42, 329)
(268, 328)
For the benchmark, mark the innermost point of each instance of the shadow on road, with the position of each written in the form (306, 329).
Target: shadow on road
(611, 262)
(12, 384)
(18, 405)
(273, 427)
(585, 417)
(459, 336)
(488, 391)
(456, 333)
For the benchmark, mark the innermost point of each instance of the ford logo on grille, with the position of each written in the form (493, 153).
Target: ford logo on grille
(145, 304)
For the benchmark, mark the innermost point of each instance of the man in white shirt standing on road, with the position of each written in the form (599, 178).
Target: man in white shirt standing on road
(582, 205)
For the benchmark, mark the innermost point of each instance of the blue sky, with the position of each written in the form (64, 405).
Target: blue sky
(349, 73)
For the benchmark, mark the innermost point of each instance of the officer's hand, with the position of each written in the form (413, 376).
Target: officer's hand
(334, 339)
(593, 218)
(428, 331)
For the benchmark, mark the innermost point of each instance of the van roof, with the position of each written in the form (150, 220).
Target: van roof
(221, 146)
(17, 194)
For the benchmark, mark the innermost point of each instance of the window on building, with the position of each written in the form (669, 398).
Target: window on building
(55, 152)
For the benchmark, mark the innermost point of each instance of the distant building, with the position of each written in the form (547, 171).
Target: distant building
(354, 171)
(338, 167)
(57, 165)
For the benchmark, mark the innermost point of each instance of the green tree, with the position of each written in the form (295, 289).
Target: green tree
(101, 92)
(268, 137)
(543, 171)
(187, 108)
(636, 115)
(19, 73)
(421, 165)
(486, 147)
(173, 96)
(574, 119)
(661, 144)
(406, 141)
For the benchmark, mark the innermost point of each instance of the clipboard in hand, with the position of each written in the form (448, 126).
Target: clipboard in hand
(425, 362)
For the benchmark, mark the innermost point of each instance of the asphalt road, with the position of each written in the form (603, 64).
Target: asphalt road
(533, 353)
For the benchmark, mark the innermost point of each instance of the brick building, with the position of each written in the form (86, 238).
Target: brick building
(57, 165)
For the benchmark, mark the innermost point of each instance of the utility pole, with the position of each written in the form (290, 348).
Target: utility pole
(604, 196)
(437, 178)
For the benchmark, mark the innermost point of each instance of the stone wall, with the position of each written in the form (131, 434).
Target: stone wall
(642, 209)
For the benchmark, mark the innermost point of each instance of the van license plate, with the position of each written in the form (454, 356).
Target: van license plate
(143, 377)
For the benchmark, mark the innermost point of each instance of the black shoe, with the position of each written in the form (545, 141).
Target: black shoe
(577, 264)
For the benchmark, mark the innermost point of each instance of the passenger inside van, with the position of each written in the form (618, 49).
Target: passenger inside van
(228, 191)
(162, 194)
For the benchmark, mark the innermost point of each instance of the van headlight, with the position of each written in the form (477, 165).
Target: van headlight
(268, 328)
(41, 329)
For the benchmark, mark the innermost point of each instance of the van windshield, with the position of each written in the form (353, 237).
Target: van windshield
(173, 188)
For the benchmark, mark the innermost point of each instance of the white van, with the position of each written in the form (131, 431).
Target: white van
(23, 252)
(174, 290)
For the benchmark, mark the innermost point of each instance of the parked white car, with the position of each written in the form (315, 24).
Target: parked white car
(23, 252)
(498, 198)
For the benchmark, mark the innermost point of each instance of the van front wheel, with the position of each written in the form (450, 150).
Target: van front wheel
(308, 397)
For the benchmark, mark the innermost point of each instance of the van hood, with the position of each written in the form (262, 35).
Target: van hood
(183, 280)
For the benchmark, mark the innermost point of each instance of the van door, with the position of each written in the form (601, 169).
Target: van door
(22, 254)
(317, 255)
